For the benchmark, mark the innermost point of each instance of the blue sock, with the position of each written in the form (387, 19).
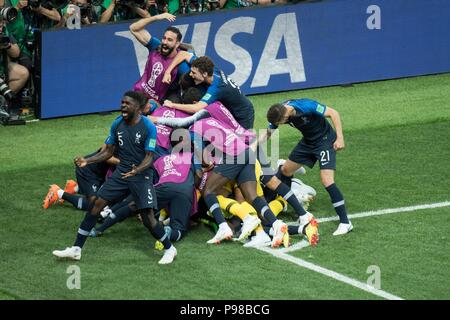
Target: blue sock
(157, 230)
(175, 234)
(284, 191)
(285, 179)
(262, 207)
(160, 234)
(121, 204)
(337, 199)
(78, 201)
(86, 225)
(115, 217)
(214, 208)
(293, 230)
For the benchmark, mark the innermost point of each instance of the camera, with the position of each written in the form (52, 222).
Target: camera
(8, 14)
(85, 10)
(4, 41)
(213, 5)
(5, 91)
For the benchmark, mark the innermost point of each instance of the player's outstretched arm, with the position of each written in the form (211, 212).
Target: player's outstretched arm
(188, 108)
(179, 58)
(336, 120)
(183, 122)
(138, 28)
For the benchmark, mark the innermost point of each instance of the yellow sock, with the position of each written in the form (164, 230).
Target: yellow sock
(232, 206)
(163, 215)
(277, 205)
(249, 208)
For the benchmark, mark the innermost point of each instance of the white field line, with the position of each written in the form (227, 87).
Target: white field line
(282, 253)
(330, 273)
(384, 211)
(389, 211)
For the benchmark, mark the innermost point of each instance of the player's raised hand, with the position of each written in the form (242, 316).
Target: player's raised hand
(130, 173)
(167, 16)
(80, 162)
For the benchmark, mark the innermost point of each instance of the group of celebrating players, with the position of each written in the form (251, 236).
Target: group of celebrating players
(184, 145)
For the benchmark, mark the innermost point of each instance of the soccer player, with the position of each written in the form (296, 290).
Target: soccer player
(134, 137)
(320, 142)
(175, 191)
(218, 111)
(235, 161)
(161, 54)
(219, 87)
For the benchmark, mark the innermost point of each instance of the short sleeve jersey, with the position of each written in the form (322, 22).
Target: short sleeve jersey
(132, 142)
(223, 89)
(309, 119)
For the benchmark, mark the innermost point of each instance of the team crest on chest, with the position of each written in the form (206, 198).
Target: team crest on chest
(137, 140)
(305, 120)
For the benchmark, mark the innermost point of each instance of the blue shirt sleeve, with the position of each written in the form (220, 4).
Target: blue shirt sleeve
(183, 68)
(272, 126)
(153, 43)
(192, 58)
(112, 132)
(150, 141)
(213, 92)
(308, 106)
(153, 106)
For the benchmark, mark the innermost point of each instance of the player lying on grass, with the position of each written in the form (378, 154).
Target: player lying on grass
(82, 193)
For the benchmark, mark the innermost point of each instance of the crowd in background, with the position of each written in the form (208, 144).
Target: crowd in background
(19, 20)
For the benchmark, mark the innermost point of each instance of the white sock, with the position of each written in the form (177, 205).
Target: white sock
(223, 225)
(104, 213)
(60, 193)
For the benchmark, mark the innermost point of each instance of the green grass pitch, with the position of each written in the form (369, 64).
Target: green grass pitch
(397, 154)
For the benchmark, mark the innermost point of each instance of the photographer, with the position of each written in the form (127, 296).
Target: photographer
(231, 4)
(86, 11)
(42, 14)
(119, 10)
(16, 74)
(15, 23)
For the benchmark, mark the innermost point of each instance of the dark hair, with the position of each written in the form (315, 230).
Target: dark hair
(137, 96)
(191, 95)
(204, 64)
(186, 81)
(176, 31)
(276, 113)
